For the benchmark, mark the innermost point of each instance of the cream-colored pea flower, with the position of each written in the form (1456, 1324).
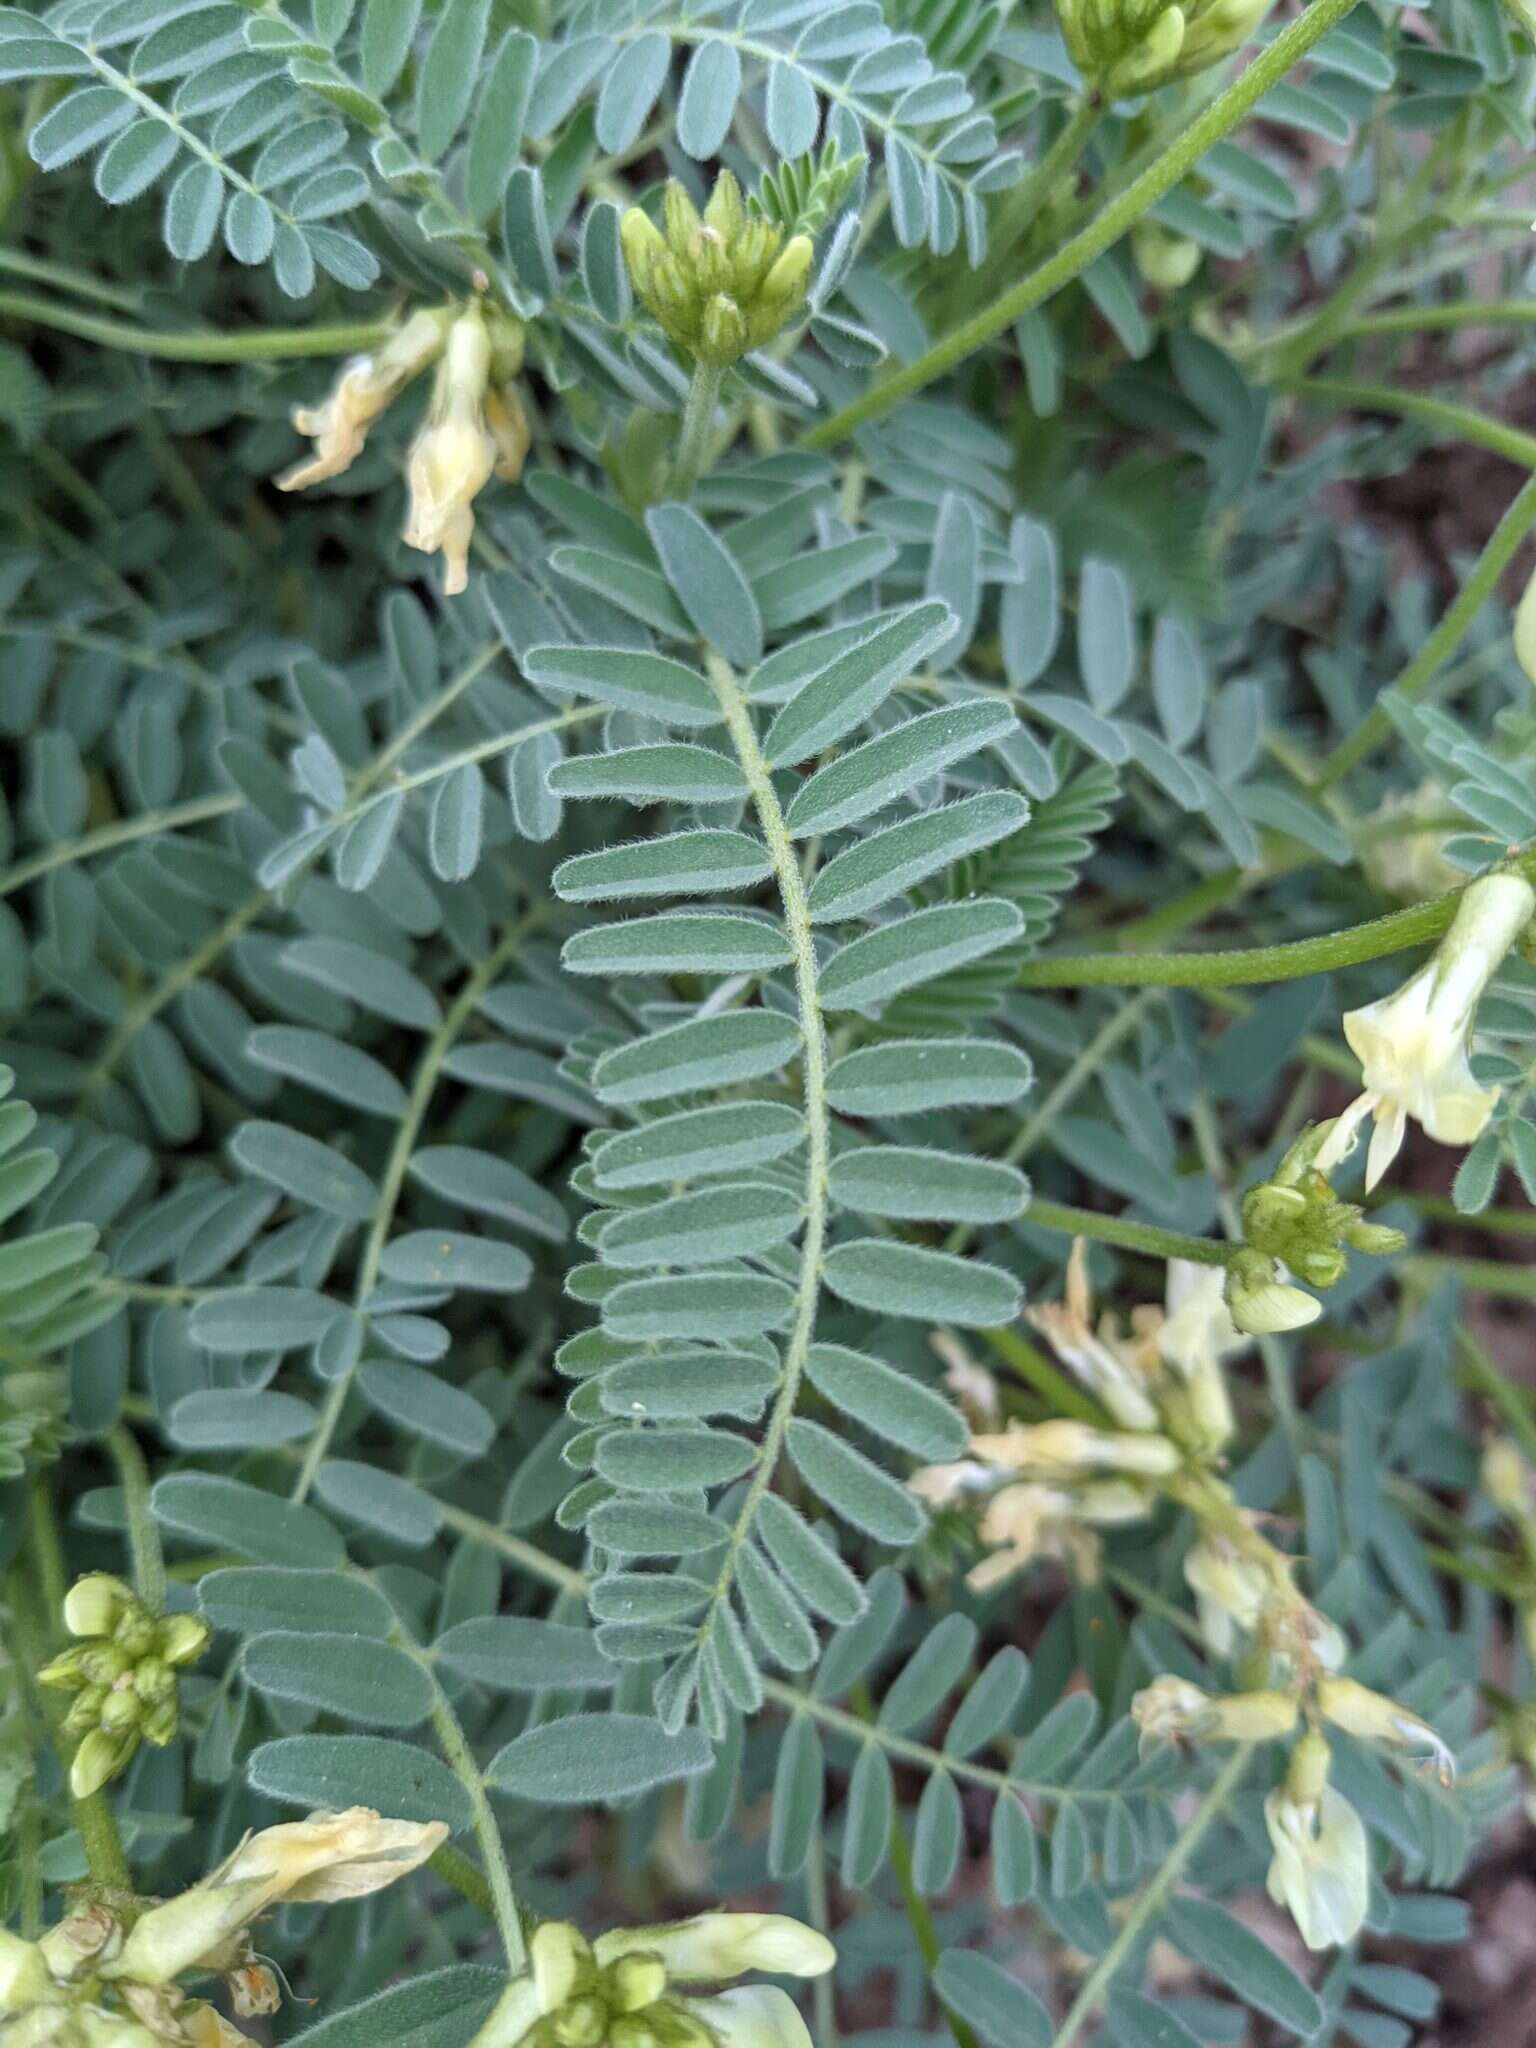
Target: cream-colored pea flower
(1061, 1447)
(1412, 1046)
(366, 388)
(1321, 1872)
(1171, 1710)
(1375, 1718)
(623, 1986)
(1196, 1335)
(454, 454)
(330, 1856)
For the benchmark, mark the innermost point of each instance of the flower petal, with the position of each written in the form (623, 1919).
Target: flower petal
(753, 2016)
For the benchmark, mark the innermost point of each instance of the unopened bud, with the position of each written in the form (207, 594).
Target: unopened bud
(1260, 1302)
(100, 1757)
(1166, 260)
(637, 1981)
(580, 2023)
(1376, 1239)
(1061, 1447)
(66, 1672)
(1506, 1477)
(24, 1974)
(134, 1634)
(1525, 611)
(182, 1638)
(94, 1605)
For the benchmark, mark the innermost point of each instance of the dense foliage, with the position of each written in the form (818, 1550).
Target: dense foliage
(839, 701)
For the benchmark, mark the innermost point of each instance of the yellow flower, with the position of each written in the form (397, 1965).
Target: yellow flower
(367, 386)
(1058, 1448)
(1321, 1872)
(328, 1857)
(454, 454)
(1412, 1046)
(1359, 1711)
(620, 1989)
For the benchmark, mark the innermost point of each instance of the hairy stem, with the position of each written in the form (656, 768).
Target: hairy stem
(698, 428)
(1418, 925)
(1128, 1235)
(143, 1536)
(1102, 232)
(254, 345)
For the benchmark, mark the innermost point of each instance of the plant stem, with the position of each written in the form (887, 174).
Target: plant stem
(1417, 925)
(1128, 1235)
(20, 263)
(1481, 1374)
(698, 428)
(1151, 1901)
(1428, 319)
(1445, 413)
(143, 1536)
(1019, 207)
(254, 345)
(1114, 220)
(460, 1760)
(1503, 544)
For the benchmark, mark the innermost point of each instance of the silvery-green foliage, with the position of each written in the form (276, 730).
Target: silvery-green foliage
(507, 1088)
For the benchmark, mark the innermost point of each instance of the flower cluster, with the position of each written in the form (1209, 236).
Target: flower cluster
(1128, 47)
(122, 1672)
(1048, 1487)
(475, 426)
(719, 284)
(105, 1977)
(626, 1989)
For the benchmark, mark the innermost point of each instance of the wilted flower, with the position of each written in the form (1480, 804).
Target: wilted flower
(1412, 1046)
(454, 453)
(1101, 1361)
(1321, 1871)
(1061, 1447)
(622, 1988)
(330, 1856)
(1230, 1592)
(367, 387)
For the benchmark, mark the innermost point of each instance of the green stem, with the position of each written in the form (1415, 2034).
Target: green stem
(1152, 1900)
(143, 1536)
(124, 831)
(693, 444)
(1481, 1374)
(1444, 413)
(1128, 1235)
(456, 1869)
(20, 263)
(1430, 319)
(1503, 544)
(1114, 220)
(254, 345)
(1417, 925)
(1016, 215)
(924, 1933)
(460, 1760)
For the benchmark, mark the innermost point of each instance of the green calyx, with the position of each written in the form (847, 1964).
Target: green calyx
(722, 283)
(122, 1672)
(1128, 47)
(1297, 1217)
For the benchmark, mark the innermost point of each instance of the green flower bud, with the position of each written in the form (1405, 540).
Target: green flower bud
(103, 1663)
(1260, 1302)
(135, 1634)
(721, 284)
(723, 336)
(160, 1721)
(85, 1710)
(24, 1975)
(637, 1981)
(182, 1638)
(100, 1757)
(66, 1672)
(1375, 1238)
(1166, 260)
(581, 2023)
(94, 1605)
(121, 1711)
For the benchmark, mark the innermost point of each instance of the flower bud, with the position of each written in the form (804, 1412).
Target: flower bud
(94, 1605)
(1166, 260)
(1506, 1477)
(100, 1757)
(1378, 1240)
(85, 1710)
(1370, 1715)
(121, 1711)
(66, 1672)
(714, 1946)
(24, 1975)
(582, 2023)
(79, 1941)
(723, 333)
(1260, 1302)
(1525, 611)
(182, 1638)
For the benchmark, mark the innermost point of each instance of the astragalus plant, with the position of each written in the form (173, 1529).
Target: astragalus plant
(768, 1000)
